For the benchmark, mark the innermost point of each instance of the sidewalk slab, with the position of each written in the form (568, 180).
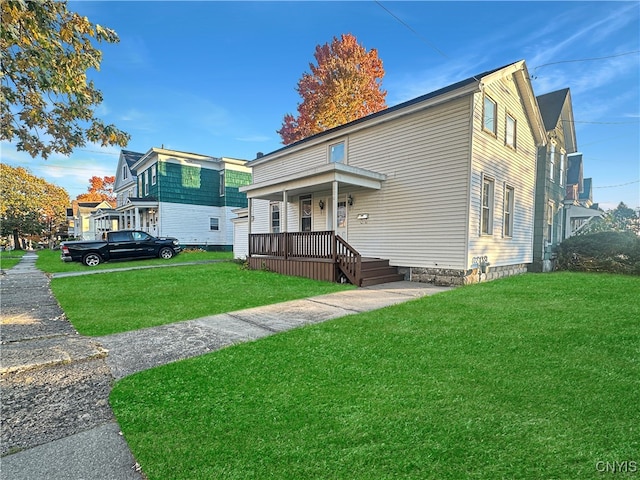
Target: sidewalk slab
(285, 316)
(131, 352)
(42, 352)
(97, 454)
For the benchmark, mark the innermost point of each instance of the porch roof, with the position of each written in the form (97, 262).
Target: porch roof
(315, 179)
(132, 202)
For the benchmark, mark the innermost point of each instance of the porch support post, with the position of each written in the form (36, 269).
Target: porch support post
(334, 207)
(136, 221)
(285, 224)
(285, 214)
(249, 215)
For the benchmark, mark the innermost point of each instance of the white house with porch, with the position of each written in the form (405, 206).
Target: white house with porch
(440, 188)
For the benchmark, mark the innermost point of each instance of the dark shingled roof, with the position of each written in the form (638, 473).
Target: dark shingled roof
(574, 170)
(586, 193)
(131, 158)
(551, 107)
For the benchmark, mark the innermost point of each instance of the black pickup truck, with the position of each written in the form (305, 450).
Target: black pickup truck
(117, 245)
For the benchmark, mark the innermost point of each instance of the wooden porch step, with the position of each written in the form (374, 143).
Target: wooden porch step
(394, 277)
(377, 270)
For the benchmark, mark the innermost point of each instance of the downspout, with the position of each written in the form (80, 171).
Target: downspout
(470, 177)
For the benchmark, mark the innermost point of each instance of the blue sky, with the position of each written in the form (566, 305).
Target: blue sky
(217, 78)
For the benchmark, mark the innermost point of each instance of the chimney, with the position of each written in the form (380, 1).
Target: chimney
(259, 155)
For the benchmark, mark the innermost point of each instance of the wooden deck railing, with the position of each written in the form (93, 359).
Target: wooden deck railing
(293, 244)
(309, 245)
(349, 261)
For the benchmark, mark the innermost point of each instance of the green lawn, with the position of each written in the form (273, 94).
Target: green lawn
(49, 261)
(115, 302)
(531, 377)
(9, 259)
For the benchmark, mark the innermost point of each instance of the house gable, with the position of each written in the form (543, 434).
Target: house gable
(125, 173)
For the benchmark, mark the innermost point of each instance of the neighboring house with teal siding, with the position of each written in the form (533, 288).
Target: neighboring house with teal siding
(184, 195)
(552, 163)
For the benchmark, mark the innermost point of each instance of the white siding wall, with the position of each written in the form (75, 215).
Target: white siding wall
(190, 224)
(304, 161)
(419, 217)
(240, 238)
(506, 166)
(260, 214)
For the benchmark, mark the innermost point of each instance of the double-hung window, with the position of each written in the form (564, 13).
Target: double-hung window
(549, 222)
(275, 217)
(489, 117)
(510, 131)
(153, 174)
(486, 220)
(552, 162)
(508, 211)
(214, 223)
(222, 183)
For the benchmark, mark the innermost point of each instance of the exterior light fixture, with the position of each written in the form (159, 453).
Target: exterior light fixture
(350, 200)
(321, 205)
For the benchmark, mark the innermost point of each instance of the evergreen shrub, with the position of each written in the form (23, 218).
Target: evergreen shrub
(612, 252)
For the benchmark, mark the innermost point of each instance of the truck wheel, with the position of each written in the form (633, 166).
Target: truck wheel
(91, 259)
(165, 253)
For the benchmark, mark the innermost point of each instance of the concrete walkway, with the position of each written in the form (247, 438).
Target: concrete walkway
(56, 418)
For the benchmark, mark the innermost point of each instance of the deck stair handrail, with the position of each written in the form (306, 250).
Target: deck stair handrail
(349, 261)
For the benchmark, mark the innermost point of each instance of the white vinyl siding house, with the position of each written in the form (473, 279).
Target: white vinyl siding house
(407, 185)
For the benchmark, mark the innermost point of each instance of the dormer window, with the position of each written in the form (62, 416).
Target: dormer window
(125, 172)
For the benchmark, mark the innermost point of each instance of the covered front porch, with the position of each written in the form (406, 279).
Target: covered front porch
(139, 214)
(306, 231)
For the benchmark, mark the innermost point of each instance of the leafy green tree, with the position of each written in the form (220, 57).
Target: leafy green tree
(619, 219)
(46, 102)
(30, 205)
(344, 85)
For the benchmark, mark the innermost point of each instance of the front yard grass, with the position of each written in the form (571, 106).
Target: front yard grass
(530, 377)
(10, 258)
(49, 261)
(116, 302)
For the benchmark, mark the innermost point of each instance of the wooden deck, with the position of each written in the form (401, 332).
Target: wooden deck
(318, 255)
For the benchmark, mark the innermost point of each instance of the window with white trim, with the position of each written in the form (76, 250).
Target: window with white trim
(508, 210)
(510, 131)
(549, 233)
(337, 153)
(146, 182)
(222, 183)
(552, 162)
(305, 213)
(274, 211)
(153, 174)
(489, 118)
(563, 157)
(214, 223)
(486, 218)
(125, 172)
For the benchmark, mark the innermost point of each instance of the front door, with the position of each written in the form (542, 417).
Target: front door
(342, 220)
(306, 214)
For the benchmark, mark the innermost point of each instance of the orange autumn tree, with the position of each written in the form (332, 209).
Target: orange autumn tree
(344, 85)
(100, 188)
